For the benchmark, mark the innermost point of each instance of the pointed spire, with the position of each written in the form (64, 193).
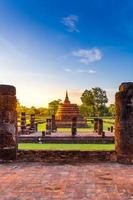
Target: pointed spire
(67, 95)
(66, 98)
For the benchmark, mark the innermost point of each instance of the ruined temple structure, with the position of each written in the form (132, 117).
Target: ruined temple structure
(124, 123)
(32, 123)
(66, 112)
(98, 125)
(8, 122)
(74, 126)
(23, 123)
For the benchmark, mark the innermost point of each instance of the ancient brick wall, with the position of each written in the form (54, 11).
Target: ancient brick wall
(49, 156)
(8, 122)
(67, 140)
(124, 123)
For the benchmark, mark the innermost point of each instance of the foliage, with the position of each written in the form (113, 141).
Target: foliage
(39, 112)
(86, 110)
(111, 110)
(53, 106)
(95, 101)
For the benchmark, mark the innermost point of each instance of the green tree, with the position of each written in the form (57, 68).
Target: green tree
(86, 110)
(95, 98)
(87, 98)
(111, 110)
(53, 106)
(100, 97)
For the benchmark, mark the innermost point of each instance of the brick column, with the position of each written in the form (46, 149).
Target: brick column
(100, 127)
(8, 122)
(23, 123)
(54, 128)
(74, 126)
(96, 124)
(124, 123)
(32, 123)
(48, 126)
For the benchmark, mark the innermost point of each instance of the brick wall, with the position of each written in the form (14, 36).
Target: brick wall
(68, 140)
(65, 156)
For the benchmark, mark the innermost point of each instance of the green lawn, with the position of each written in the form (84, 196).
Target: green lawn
(42, 127)
(81, 147)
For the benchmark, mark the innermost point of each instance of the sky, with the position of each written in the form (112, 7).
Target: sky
(50, 46)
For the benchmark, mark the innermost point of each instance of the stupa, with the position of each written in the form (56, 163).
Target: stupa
(66, 111)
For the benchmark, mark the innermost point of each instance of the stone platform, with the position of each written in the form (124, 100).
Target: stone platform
(65, 137)
(38, 181)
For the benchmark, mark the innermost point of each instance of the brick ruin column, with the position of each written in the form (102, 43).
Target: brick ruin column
(96, 125)
(48, 126)
(74, 126)
(112, 129)
(54, 128)
(8, 122)
(32, 123)
(23, 123)
(100, 126)
(124, 123)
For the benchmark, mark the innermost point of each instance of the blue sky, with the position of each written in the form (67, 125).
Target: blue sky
(48, 46)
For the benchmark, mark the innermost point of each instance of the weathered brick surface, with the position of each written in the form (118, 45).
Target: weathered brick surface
(38, 181)
(8, 122)
(124, 122)
(68, 140)
(49, 156)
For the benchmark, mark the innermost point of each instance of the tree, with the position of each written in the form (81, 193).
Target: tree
(100, 97)
(53, 106)
(111, 109)
(96, 99)
(87, 98)
(86, 110)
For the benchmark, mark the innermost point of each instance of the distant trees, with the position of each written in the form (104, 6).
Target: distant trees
(53, 106)
(111, 110)
(40, 112)
(94, 102)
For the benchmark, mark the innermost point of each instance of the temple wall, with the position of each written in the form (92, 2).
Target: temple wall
(124, 123)
(66, 156)
(8, 122)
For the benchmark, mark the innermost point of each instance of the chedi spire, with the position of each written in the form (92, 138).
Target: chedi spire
(66, 98)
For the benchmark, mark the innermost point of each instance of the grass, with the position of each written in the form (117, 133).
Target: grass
(42, 127)
(81, 147)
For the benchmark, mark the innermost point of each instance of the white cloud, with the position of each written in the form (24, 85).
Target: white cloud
(71, 23)
(68, 70)
(90, 71)
(88, 55)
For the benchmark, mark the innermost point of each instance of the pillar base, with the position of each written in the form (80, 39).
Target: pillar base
(125, 159)
(8, 154)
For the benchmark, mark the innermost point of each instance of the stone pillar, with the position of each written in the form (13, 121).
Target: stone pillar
(32, 123)
(100, 126)
(96, 125)
(36, 127)
(54, 128)
(112, 129)
(48, 126)
(23, 123)
(124, 123)
(74, 126)
(8, 122)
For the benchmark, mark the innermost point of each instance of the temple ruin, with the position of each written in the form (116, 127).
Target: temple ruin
(8, 122)
(65, 114)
